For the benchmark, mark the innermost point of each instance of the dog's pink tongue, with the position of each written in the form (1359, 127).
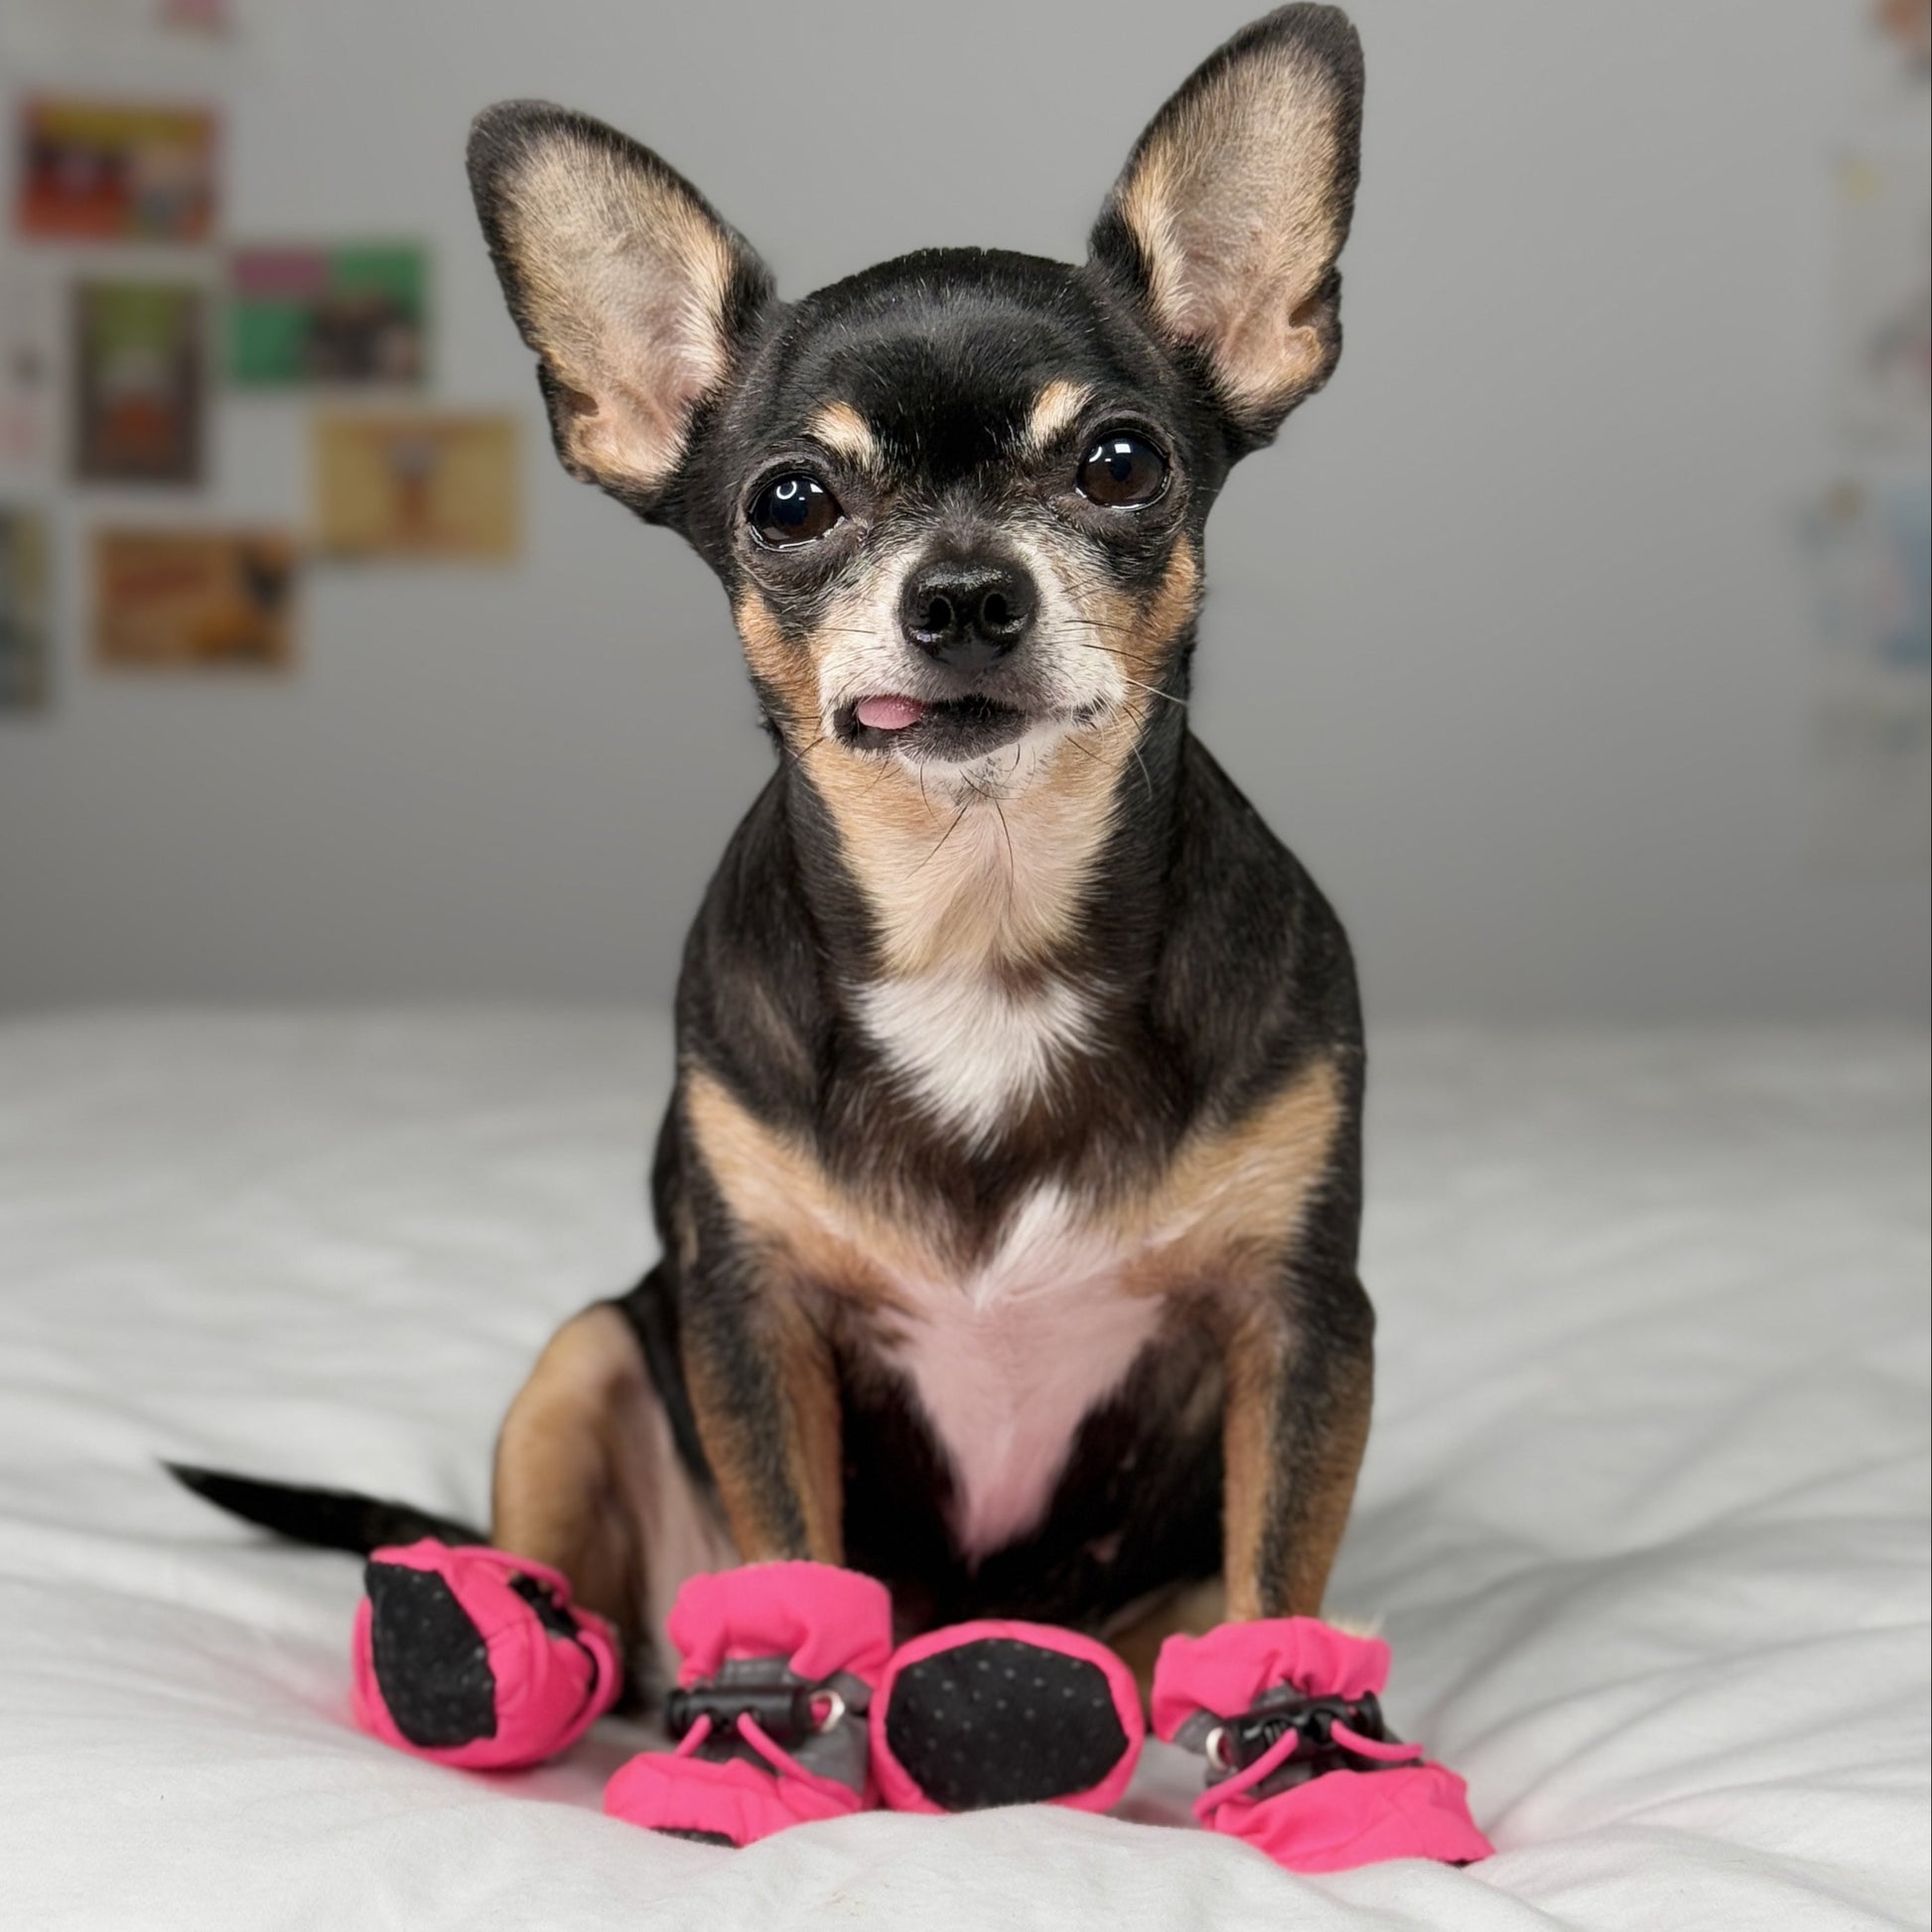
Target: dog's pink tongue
(890, 713)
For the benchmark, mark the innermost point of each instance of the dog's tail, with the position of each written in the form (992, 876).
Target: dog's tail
(330, 1519)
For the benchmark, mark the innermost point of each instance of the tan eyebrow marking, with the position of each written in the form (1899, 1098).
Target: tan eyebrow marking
(845, 433)
(1054, 410)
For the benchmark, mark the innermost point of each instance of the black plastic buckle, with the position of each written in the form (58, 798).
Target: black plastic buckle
(1312, 1720)
(784, 1712)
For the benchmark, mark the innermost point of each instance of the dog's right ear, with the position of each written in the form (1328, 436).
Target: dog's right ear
(636, 298)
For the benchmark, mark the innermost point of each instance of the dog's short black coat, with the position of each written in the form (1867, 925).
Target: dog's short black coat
(1030, 959)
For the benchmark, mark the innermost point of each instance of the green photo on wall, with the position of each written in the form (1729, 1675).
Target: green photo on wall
(328, 314)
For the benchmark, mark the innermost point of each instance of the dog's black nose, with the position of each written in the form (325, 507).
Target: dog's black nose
(968, 615)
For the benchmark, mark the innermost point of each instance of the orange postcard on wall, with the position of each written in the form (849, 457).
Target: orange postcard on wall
(194, 600)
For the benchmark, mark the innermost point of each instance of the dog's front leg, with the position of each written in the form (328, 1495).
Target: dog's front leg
(766, 1396)
(1300, 1384)
(1275, 1699)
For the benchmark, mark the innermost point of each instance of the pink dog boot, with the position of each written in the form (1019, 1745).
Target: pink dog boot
(474, 1657)
(1298, 1760)
(1004, 1714)
(779, 1661)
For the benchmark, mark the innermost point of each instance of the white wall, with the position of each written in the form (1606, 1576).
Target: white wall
(1508, 637)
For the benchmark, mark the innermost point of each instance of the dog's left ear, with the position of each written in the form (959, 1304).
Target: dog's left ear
(639, 300)
(1231, 210)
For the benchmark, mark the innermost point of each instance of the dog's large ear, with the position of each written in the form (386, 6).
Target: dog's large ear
(636, 298)
(1229, 215)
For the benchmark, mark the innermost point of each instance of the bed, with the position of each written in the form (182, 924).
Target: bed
(1644, 1514)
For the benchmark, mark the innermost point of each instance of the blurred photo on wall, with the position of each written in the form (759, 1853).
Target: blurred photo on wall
(25, 651)
(327, 315)
(28, 310)
(425, 486)
(139, 389)
(109, 171)
(194, 600)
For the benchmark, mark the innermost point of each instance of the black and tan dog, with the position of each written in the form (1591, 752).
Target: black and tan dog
(1009, 1193)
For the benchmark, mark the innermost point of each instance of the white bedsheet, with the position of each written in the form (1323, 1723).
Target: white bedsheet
(1644, 1514)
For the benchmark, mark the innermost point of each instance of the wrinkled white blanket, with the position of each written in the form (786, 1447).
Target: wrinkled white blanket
(1644, 1515)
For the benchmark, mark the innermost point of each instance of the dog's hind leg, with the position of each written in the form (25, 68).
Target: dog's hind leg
(589, 1480)
(503, 1655)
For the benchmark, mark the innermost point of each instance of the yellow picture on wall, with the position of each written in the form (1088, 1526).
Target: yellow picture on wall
(418, 485)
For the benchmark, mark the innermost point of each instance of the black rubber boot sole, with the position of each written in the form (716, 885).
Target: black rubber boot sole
(997, 1720)
(432, 1665)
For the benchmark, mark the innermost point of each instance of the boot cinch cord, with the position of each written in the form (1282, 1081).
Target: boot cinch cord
(1246, 1751)
(714, 1714)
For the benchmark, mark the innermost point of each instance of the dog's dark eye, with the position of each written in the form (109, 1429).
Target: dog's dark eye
(793, 509)
(1123, 472)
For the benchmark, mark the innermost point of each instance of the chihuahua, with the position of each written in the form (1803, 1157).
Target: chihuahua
(1010, 1187)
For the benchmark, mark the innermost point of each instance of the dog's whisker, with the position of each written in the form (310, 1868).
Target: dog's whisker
(1154, 691)
(943, 837)
(1013, 859)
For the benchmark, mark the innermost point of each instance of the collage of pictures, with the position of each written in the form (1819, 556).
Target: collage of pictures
(110, 377)
(1868, 535)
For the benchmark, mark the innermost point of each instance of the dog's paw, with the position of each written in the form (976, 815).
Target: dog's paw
(1301, 1763)
(474, 1657)
(779, 1661)
(1004, 1714)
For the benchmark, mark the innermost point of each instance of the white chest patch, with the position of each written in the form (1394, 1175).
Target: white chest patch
(1008, 1361)
(969, 1049)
